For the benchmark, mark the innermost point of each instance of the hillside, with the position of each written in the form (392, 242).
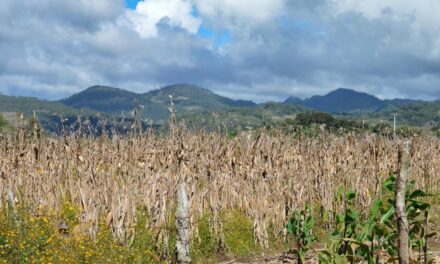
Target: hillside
(155, 103)
(344, 100)
(48, 112)
(203, 107)
(293, 100)
(193, 96)
(415, 114)
(102, 99)
(27, 105)
(243, 117)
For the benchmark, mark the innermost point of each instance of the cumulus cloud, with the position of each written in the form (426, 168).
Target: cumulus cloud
(232, 12)
(277, 48)
(145, 18)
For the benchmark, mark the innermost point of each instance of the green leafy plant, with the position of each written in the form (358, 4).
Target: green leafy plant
(346, 224)
(418, 212)
(300, 228)
(354, 240)
(3, 123)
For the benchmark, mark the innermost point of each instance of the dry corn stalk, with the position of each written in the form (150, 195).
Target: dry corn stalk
(266, 177)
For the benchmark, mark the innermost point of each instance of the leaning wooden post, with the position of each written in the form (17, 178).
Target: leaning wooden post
(402, 221)
(182, 225)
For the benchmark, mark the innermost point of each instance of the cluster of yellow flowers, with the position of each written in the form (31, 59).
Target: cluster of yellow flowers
(38, 239)
(49, 237)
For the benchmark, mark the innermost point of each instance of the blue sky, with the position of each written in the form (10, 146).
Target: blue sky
(219, 39)
(131, 3)
(263, 50)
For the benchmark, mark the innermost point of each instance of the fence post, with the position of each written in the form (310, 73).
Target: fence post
(402, 221)
(182, 225)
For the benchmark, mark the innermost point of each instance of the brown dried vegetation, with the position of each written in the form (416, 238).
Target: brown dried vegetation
(265, 176)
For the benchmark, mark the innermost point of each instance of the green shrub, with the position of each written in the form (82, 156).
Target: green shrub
(204, 247)
(239, 236)
(3, 122)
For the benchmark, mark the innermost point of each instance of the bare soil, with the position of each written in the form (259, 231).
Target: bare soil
(290, 258)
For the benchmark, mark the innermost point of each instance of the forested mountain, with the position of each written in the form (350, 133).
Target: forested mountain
(344, 100)
(102, 99)
(154, 103)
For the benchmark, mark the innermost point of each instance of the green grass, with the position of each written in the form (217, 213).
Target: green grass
(205, 247)
(239, 237)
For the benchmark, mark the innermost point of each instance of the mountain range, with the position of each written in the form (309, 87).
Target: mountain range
(197, 105)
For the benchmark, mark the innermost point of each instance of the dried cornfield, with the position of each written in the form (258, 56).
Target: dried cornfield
(265, 176)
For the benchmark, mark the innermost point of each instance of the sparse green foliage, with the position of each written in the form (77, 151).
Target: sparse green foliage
(205, 246)
(346, 223)
(357, 240)
(3, 122)
(239, 236)
(300, 228)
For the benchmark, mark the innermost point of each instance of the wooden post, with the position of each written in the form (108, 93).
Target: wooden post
(402, 221)
(11, 205)
(182, 225)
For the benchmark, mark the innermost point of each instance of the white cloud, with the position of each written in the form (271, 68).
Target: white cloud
(234, 14)
(52, 48)
(148, 13)
(420, 17)
(423, 14)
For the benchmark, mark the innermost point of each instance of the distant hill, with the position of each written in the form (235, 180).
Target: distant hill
(414, 113)
(344, 100)
(102, 99)
(155, 103)
(293, 100)
(48, 112)
(244, 117)
(27, 105)
(194, 96)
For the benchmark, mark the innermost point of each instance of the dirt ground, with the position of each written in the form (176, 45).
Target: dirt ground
(287, 259)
